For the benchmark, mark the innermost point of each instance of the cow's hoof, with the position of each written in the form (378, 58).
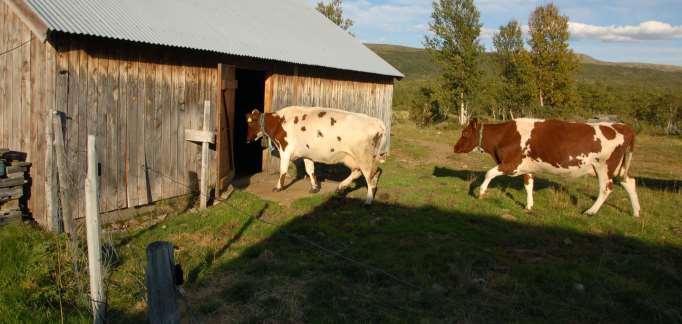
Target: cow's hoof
(314, 190)
(528, 210)
(276, 189)
(589, 213)
(481, 196)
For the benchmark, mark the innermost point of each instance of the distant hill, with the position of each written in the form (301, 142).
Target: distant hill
(418, 65)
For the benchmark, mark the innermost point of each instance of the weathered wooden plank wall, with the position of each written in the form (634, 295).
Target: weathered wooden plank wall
(135, 102)
(26, 89)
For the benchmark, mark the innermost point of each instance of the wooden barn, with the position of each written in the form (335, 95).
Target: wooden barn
(137, 74)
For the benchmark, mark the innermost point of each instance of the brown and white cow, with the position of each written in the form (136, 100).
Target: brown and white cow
(323, 135)
(527, 146)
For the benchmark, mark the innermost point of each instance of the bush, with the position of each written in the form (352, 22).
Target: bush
(426, 108)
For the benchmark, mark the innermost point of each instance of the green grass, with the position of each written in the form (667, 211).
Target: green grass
(426, 251)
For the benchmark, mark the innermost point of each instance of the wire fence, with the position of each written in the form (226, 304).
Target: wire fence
(311, 244)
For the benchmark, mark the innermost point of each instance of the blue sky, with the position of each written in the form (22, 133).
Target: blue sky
(620, 31)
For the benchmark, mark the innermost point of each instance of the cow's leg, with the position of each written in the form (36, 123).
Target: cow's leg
(492, 173)
(605, 188)
(354, 174)
(528, 184)
(369, 173)
(629, 185)
(283, 168)
(310, 170)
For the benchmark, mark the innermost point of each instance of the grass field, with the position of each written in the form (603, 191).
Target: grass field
(426, 251)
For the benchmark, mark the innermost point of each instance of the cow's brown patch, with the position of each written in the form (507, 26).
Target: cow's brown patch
(333, 121)
(618, 154)
(376, 139)
(319, 134)
(307, 146)
(332, 150)
(338, 138)
(321, 114)
(609, 185)
(296, 120)
(304, 116)
(608, 132)
(274, 129)
(527, 178)
(502, 142)
(560, 143)
(303, 129)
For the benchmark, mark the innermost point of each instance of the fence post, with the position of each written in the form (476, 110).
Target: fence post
(161, 294)
(64, 190)
(97, 295)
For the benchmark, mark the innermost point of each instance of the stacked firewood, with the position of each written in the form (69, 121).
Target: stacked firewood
(13, 178)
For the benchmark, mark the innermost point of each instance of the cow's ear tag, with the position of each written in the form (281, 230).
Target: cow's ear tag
(249, 120)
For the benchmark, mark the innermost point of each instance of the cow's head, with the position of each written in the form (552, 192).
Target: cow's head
(470, 137)
(253, 126)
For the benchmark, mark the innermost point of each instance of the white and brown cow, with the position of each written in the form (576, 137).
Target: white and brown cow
(528, 146)
(323, 135)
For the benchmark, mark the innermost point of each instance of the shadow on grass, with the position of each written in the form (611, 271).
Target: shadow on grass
(503, 182)
(342, 262)
(659, 184)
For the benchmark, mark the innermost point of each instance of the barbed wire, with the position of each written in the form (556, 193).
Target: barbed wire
(17, 47)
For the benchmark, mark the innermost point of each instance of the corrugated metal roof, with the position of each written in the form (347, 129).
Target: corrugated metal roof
(282, 30)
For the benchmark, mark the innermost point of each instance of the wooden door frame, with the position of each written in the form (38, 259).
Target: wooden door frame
(225, 124)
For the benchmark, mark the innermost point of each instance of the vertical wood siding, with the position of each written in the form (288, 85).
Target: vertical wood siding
(26, 90)
(138, 102)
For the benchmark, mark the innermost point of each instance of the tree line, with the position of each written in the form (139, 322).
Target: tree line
(524, 77)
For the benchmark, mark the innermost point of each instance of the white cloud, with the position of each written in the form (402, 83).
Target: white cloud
(390, 16)
(648, 30)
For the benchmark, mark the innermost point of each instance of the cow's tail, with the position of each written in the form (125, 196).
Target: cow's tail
(381, 148)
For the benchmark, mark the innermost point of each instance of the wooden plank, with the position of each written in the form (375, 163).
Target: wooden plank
(190, 176)
(177, 141)
(121, 126)
(200, 136)
(149, 146)
(165, 116)
(71, 126)
(143, 192)
(132, 116)
(12, 182)
(64, 190)
(51, 205)
(25, 90)
(114, 134)
(157, 176)
(82, 121)
(37, 137)
(3, 71)
(225, 119)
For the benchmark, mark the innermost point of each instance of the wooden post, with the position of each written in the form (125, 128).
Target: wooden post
(206, 136)
(51, 198)
(204, 156)
(161, 293)
(64, 190)
(97, 294)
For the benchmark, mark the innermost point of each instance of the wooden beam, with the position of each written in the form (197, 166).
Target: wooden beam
(29, 17)
(64, 188)
(200, 136)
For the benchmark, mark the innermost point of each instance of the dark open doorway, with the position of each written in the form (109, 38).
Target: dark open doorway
(250, 95)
